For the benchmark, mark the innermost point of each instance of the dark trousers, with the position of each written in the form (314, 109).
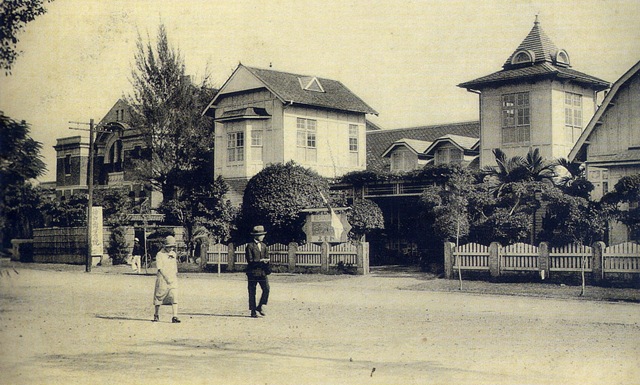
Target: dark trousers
(252, 282)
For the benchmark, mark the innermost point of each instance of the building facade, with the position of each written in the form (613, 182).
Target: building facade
(537, 100)
(264, 116)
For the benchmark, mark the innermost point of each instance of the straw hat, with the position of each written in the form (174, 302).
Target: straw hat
(258, 230)
(170, 241)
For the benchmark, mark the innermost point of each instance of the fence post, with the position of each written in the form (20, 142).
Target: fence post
(362, 258)
(292, 259)
(494, 259)
(597, 262)
(231, 257)
(543, 260)
(448, 259)
(204, 247)
(324, 257)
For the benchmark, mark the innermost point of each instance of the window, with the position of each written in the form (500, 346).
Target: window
(306, 139)
(256, 145)
(353, 144)
(572, 116)
(516, 121)
(67, 165)
(403, 160)
(235, 146)
(447, 155)
(523, 57)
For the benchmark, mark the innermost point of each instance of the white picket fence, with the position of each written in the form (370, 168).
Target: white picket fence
(570, 258)
(519, 256)
(472, 256)
(622, 258)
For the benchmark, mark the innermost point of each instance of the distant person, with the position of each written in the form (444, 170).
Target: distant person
(136, 255)
(166, 292)
(257, 271)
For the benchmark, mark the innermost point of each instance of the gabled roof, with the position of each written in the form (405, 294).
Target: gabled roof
(414, 145)
(379, 141)
(302, 89)
(545, 62)
(606, 103)
(464, 143)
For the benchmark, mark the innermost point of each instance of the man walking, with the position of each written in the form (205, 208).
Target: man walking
(136, 255)
(257, 271)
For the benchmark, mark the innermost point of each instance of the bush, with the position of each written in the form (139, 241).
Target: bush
(118, 248)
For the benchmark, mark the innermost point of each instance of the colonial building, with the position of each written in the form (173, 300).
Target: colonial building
(537, 100)
(264, 116)
(117, 143)
(609, 147)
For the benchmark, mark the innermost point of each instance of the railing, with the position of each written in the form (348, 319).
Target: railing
(292, 255)
(598, 260)
(472, 256)
(519, 256)
(622, 258)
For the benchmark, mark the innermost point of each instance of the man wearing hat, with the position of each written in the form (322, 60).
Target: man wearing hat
(136, 255)
(257, 271)
(166, 292)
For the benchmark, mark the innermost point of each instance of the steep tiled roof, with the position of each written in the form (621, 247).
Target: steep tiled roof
(535, 71)
(415, 145)
(379, 141)
(287, 87)
(538, 42)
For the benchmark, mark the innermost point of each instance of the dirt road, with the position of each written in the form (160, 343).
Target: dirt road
(80, 328)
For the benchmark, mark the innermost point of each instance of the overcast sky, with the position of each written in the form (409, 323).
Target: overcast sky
(404, 58)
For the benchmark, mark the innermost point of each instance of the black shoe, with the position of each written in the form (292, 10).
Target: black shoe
(253, 314)
(175, 320)
(261, 311)
(156, 318)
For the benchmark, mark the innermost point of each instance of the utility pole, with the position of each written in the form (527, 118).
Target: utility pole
(90, 187)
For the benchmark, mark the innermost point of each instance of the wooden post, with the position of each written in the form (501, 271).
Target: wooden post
(90, 200)
(292, 259)
(597, 262)
(494, 259)
(324, 257)
(231, 263)
(543, 260)
(448, 260)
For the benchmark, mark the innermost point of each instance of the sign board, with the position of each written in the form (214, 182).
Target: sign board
(97, 240)
(324, 225)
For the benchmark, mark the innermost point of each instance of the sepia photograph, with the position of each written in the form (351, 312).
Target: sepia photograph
(280, 192)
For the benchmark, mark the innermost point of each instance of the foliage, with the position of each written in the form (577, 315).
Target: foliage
(571, 219)
(166, 107)
(14, 16)
(360, 178)
(201, 205)
(627, 190)
(517, 169)
(66, 212)
(274, 197)
(573, 180)
(116, 205)
(20, 162)
(364, 217)
(118, 247)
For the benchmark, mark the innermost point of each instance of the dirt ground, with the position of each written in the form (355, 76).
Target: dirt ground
(60, 325)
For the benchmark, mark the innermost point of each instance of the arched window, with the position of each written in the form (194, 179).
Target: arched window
(562, 57)
(523, 57)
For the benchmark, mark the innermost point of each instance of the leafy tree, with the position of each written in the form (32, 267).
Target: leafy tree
(118, 247)
(627, 191)
(166, 106)
(573, 180)
(201, 206)
(275, 196)
(364, 217)
(14, 15)
(116, 205)
(20, 163)
(22, 210)
(66, 212)
(517, 169)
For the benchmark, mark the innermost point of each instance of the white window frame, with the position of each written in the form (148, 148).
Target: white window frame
(307, 138)
(515, 119)
(235, 147)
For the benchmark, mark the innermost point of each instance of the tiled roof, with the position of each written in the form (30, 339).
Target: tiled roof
(417, 146)
(535, 71)
(287, 86)
(538, 42)
(379, 141)
(630, 155)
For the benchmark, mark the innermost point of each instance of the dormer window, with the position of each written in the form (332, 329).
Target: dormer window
(562, 58)
(309, 83)
(522, 57)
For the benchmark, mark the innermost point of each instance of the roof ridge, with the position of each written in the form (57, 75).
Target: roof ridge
(423, 127)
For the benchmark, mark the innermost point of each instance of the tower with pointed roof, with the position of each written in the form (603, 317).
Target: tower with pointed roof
(537, 100)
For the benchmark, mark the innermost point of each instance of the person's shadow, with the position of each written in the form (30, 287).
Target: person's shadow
(217, 315)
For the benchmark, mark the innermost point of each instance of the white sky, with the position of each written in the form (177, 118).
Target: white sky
(404, 58)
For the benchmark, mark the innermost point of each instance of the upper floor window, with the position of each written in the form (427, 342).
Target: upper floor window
(523, 57)
(403, 160)
(573, 109)
(516, 118)
(306, 139)
(353, 137)
(256, 145)
(448, 155)
(235, 146)
(67, 165)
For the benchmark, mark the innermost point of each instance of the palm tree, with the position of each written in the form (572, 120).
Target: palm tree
(516, 169)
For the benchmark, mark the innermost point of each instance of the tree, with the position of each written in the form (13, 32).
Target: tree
(20, 163)
(275, 196)
(573, 180)
(202, 205)
(365, 216)
(167, 107)
(14, 16)
(627, 191)
(517, 169)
